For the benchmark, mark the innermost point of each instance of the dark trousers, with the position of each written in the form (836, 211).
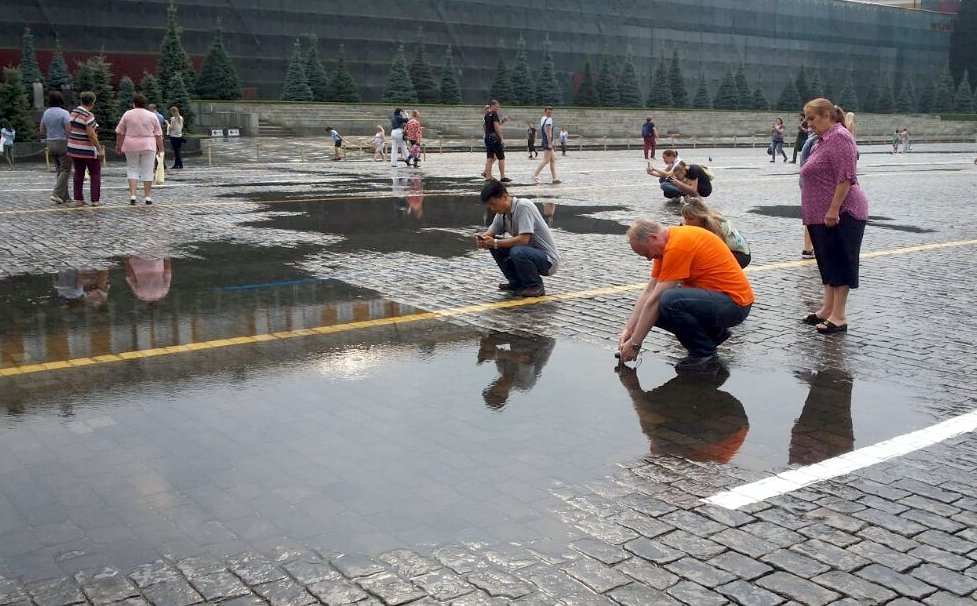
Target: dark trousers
(698, 317)
(650, 146)
(94, 168)
(799, 145)
(177, 143)
(522, 265)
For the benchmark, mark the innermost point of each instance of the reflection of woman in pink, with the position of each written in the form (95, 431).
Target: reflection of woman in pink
(415, 199)
(148, 278)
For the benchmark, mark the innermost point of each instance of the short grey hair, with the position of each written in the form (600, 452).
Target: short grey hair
(87, 97)
(642, 229)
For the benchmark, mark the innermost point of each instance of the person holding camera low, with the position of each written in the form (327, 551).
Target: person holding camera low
(519, 240)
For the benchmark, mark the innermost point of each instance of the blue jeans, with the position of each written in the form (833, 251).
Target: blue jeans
(698, 317)
(522, 265)
(670, 190)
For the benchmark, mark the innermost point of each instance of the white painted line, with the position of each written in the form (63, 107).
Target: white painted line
(794, 479)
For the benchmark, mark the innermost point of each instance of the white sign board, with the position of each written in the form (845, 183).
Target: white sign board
(233, 132)
(216, 132)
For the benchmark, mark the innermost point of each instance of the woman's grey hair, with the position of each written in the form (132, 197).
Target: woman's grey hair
(87, 97)
(643, 228)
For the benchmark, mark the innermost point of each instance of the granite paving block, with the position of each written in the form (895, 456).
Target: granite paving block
(444, 584)
(647, 573)
(635, 594)
(219, 586)
(798, 589)
(699, 572)
(902, 584)
(742, 592)
(740, 565)
(596, 575)
(948, 580)
(55, 592)
(172, 592)
(693, 593)
(858, 588)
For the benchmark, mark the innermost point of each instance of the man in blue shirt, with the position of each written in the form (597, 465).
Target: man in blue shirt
(54, 130)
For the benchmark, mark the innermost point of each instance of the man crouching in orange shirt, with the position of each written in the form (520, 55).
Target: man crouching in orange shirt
(714, 293)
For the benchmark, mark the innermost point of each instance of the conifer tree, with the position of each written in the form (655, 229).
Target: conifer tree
(422, 76)
(963, 41)
(149, 87)
(848, 98)
(758, 99)
(218, 79)
(803, 88)
(744, 96)
(15, 105)
(58, 74)
(945, 91)
(676, 83)
(927, 97)
(172, 58)
(587, 95)
(123, 98)
(702, 100)
(906, 101)
(607, 89)
(296, 86)
(887, 101)
(727, 97)
(815, 86)
(963, 102)
(630, 91)
(315, 70)
(180, 98)
(660, 94)
(522, 79)
(342, 86)
(870, 103)
(95, 74)
(502, 85)
(548, 91)
(789, 100)
(450, 87)
(400, 88)
(29, 70)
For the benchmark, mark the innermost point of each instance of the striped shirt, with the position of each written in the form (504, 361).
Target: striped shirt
(78, 144)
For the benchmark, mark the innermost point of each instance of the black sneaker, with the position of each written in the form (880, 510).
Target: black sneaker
(505, 180)
(506, 286)
(807, 254)
(532, 291)
(696, 363)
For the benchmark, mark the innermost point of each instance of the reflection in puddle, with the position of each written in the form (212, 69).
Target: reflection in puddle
(519, 360)
(824, 427)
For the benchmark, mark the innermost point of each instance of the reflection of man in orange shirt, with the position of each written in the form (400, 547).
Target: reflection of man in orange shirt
(689, 416)
(714, 295)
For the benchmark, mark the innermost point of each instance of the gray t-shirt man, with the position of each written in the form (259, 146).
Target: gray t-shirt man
(55, 122)
(525, 218)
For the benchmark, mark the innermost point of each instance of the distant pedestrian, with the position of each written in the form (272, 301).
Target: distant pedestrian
(777, 140)
(803, 130)
(650, 136)
(415, 154)
(564, 137)
(159, 116)
(397, 144)
(904, 138)
(7, 136)
(174, 128)
(337, 141)
(140, 137)
(54, 129)
(494, 142)
(531, 141)
(896, 138)
(85, 149)
(414, 129)
(549, 157)
(379, 139)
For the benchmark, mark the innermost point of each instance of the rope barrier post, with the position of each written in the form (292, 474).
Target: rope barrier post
(257, 152)
(47, 158)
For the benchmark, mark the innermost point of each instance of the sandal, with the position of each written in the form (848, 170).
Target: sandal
(812, 319)
(829, 328)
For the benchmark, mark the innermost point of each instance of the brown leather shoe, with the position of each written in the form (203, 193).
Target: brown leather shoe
(534, 291)
(506, 286)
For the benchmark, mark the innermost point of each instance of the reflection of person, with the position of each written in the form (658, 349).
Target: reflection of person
(714, 295)
(528, 252)
(140, 137)
(415, 199)
(549, 157)
(824, 429)
(88, 285)
(519, 360)
(549, 209)
(85, 149)
(149, 278)
(835, 210)
(54, 129)
(650, 136)
(695, 212)
(689, 416)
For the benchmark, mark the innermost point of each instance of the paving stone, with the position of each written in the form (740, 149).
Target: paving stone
(172, 592)
(106, 586)
(889, 539)
(902, 584)
(890, 522)
(456, 557)
(778, 535)
(11, 591)
(479, 599)
(939, 508)
(653, 551)
(727, 517)
(932, 555)
(880, 490)
(407, 563)
(603, 552)
(254, 568)
(781, 518)
(311, 569)
(642, 524)
(691, 544)
(829, 554)
(693, 593)
(840, 505)
(948, 599)
(932, 520)
(747, 593)
(635, 594)
(744, 542)
(893, 507)
(699, 572)
(881, 554)
(390, 588)
(136, 601)
(904, 602)
(54, 592)
(740, 565)
(953, 582)
(946, 542)
(248, 600)
(797, 589)
(219, 586)
(831, 518)
(606, 530)
(927, 490)
(647, 505)
(858, 588)
(444, 584)
(498, 583)
(795, 563)
(337, 593)
(647, 573)
(692, 523)
(597, 576)
(509, 557)
(354, 566)
(195, 567)
(154, 572)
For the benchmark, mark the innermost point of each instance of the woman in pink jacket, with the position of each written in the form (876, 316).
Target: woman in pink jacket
(140, 138)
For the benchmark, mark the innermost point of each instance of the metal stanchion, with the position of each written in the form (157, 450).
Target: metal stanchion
(210, 158)
(47, 158)
(257, 152)
(303, 155)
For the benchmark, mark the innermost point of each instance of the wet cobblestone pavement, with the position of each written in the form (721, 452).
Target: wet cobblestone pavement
(295, 383)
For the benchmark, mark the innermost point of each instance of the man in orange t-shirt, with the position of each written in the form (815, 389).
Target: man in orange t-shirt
(714, 295)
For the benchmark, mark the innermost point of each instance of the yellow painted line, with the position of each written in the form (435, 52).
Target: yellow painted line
(420, 316)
